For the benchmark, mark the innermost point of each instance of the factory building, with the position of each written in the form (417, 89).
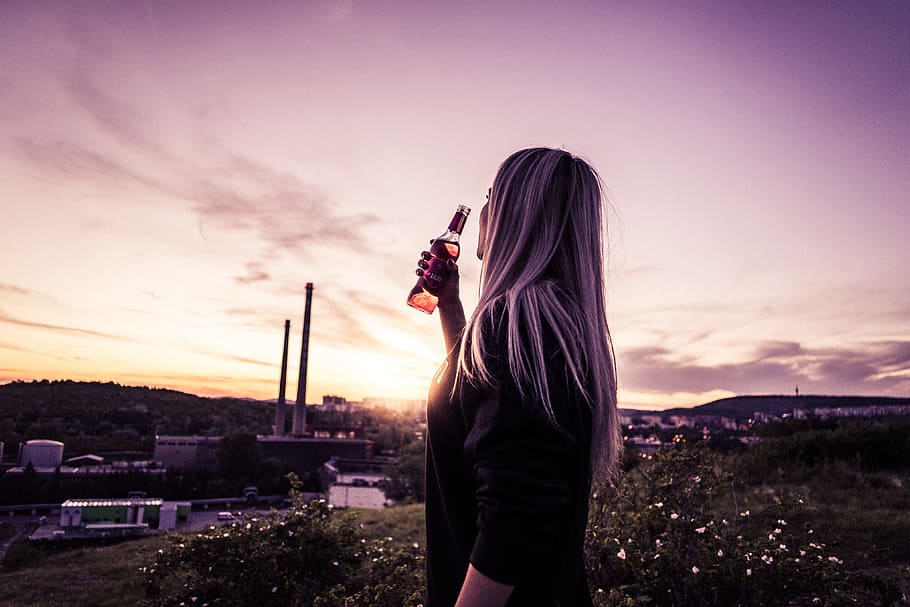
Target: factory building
(187, 452)
(124, 515)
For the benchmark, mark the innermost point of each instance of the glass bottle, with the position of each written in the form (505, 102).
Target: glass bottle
(424, 295)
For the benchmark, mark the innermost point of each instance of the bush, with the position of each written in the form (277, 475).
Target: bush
(308, 555)
(657, 539)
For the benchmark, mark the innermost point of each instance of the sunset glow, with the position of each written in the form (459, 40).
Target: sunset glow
(174, 173)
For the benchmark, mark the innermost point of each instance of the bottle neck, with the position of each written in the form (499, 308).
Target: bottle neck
(459, 219)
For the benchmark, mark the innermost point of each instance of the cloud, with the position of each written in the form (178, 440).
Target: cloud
(17, 290)
(6, 318)
(235, 358)
(867, 368)
(287, 213)
(15, 348)
(255, 273)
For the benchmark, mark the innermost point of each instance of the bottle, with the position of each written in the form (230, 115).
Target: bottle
(444, 247)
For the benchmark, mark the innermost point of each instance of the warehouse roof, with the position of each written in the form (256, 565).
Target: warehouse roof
(136, 501)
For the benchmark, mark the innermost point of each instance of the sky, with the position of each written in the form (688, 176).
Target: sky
(173, 173)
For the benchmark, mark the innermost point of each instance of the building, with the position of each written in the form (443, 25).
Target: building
(409, 406)
(859, 411)
(309, 454)
(41, 454)
(187, 452)
(133, 511)
(121, 516)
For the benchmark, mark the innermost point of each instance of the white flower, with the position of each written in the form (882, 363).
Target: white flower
(802, 553)
(748, 572)
(783, 546)
(674, 516)
(744, 514)
(778, 531)
(697, 479)
(274, 589)
(659, 505)
(658, 543)
(622, 553)
(695, 569)
(767, 559)
(720, 553)
(700, 530)
(781, 521)
(834, 559)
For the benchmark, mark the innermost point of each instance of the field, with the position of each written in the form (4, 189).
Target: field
(864, 517)
(108, 576)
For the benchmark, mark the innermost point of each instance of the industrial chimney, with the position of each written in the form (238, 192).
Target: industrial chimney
(300, 408)
(280, 409)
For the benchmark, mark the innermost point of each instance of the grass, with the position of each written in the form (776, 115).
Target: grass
(865, 516)
(106, 576)
(401, 522)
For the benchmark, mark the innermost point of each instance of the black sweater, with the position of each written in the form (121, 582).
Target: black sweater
(506, 490)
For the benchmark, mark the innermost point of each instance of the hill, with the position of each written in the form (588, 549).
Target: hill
(93, 416)
(747, 406)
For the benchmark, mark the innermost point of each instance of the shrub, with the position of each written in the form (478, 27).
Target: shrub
(657, 539)
(308, 555)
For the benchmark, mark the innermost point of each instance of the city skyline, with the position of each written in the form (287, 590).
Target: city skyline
(173, 175)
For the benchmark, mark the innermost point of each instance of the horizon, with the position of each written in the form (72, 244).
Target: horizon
(175, 174)
(289, 402)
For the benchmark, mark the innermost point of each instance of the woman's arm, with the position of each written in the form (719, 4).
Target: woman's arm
(480, 591)
(451, 312)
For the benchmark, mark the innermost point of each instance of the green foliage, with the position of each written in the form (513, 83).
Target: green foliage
(90, 416)
(99, 576)
(308, 555)
(239, 456)
(282, 559)
(407, 478)
(802, 446)
(672, 534)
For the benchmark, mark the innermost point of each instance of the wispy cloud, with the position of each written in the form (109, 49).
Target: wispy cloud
(12, 320)
(235, 358)
(19, 291)
(254, 273)
(16, 348)
(286, 212)
(882, 367)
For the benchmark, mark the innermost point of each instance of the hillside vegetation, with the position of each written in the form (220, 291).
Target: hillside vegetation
(90, 417)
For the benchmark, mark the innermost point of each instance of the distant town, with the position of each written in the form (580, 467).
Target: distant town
(80, 455)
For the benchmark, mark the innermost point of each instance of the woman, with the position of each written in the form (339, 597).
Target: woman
(522, 414)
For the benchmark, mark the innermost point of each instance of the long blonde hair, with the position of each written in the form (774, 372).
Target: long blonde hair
(543, 266)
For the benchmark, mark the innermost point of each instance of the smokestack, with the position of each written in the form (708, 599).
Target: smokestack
(280, 409)
(300, 408)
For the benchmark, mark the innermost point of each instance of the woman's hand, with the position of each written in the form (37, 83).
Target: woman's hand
(451, 312)
(449, 293)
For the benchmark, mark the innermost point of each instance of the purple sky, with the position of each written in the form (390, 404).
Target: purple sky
(173, 173)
